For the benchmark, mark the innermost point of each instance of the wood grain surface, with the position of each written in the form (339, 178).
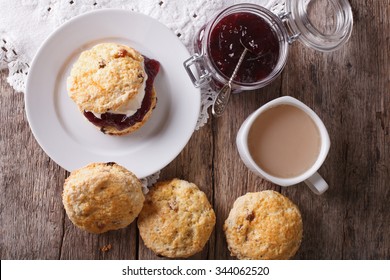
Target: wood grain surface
(349, 89)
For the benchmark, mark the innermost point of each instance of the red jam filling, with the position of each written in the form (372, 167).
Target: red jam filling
(121, 121)
(256, 35)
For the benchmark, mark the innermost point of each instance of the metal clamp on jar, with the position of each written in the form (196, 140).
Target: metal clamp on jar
(221, 42)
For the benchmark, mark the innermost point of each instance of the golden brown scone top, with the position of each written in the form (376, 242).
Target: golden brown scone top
(263, 225)
(176, 220)
(106, 77)
(102, 196)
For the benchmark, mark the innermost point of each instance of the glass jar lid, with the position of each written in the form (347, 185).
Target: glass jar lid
(324, 25)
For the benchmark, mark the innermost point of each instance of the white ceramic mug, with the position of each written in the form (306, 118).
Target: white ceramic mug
(312, 179)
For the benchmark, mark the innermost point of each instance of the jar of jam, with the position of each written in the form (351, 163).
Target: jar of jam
(220, 43)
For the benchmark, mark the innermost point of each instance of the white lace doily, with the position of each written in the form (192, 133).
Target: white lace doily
(25, 24)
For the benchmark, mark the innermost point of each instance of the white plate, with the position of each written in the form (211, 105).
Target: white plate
(63, 132)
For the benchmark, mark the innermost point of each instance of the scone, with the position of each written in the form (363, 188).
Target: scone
(112, 85)
(263, 226)
(176, 220)
(102, 196)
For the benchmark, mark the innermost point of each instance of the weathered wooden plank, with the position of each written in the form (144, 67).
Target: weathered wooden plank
(120, 244)
(367, 219)
(31, 212)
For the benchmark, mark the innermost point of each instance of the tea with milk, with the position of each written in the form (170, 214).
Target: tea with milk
(284, 141)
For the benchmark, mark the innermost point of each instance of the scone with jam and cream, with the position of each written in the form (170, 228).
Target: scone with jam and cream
(112, 84)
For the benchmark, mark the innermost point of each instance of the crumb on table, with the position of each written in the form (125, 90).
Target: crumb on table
(106, 248)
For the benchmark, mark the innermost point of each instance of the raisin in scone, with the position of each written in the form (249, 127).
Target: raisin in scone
(112, 85)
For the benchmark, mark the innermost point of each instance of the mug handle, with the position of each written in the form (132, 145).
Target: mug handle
(317, 184)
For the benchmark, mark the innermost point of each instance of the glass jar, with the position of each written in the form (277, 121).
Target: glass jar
(220, 43)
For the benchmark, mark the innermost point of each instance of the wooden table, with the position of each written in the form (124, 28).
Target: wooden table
(349, 89)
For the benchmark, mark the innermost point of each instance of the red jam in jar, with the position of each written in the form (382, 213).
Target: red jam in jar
(220, 43)
(227, 41)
